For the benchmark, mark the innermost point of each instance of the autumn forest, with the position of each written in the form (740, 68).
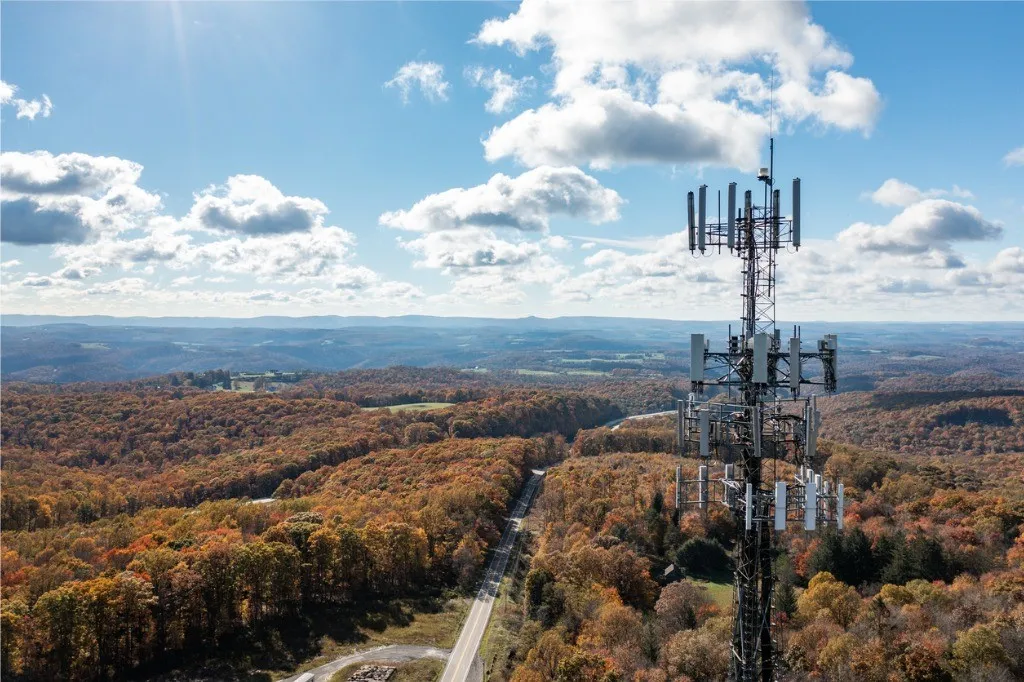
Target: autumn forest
(167, 528)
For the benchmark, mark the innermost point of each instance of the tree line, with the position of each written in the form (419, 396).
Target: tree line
(99, 600)
(78, 457)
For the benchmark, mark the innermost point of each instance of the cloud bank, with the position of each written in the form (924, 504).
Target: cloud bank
(662, 82)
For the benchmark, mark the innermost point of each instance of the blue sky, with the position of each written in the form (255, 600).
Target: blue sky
(342, 201)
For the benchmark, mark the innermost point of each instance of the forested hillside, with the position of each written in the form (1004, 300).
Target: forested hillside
(79, 456)
(926, 416)
(926, 582)
(128, 534)
(131, 546)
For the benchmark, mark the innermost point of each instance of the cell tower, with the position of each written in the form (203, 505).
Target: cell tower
(769, 421)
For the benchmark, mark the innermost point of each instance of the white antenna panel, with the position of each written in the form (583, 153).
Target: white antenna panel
(780, 505)
(810, 507)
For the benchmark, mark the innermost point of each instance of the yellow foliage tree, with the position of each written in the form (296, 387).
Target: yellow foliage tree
(825, 594)
(896, 596)
(978, 648)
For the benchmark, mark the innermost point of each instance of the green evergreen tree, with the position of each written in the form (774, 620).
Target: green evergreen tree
(858, 563)
(828, 557)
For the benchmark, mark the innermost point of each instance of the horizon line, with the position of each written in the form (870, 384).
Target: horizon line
(476, 317)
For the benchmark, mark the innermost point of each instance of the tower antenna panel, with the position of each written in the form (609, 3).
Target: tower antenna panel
(770, 420)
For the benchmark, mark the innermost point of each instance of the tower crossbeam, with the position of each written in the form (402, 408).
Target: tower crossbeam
(770, 420)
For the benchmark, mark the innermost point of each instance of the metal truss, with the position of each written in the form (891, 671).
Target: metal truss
(770, 421)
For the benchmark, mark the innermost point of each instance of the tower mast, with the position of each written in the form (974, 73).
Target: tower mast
(772, 421)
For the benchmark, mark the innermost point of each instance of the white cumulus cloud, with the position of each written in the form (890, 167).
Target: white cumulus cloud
(25, 108)
(250, 204)
(659, 82)
(319, 253)
(894, 192)
(505, 89)
(1014, 157)
(1009, 260)
(494, 238)
(42, 173)
(603, 127)
(165, 245)
(427, 76)
(470, 249)
(524, 203)
(69, 198)
(926, 225)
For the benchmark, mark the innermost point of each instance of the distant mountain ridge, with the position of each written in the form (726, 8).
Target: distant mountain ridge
(318, 321)
(45, 348)
(434, 321)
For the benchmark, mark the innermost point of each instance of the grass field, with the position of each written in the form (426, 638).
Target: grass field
(720, 593)
(425, 670)
(416, 407)
(396, 622)
(249, 386)
(645, 355)
(502, 632)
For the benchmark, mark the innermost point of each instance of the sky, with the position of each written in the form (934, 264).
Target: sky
(504, 159)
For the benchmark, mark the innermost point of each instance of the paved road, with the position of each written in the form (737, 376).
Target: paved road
(396, 653)
(461, 662)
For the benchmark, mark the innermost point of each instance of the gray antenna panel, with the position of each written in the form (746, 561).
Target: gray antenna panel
(732, 216)
(697, 357)
(794, 365)
(755, 427)
(796, 212)
(760, 358)
(839, 506)
(702, 215)
(810, 507)
(811, 449)
(702, 491)
(705, 434)
(681, 427)
(775, 218)
(750, 506)
(691, 223)
(780, 505)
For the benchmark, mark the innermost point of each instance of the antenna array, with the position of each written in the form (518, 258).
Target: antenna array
(769, 421)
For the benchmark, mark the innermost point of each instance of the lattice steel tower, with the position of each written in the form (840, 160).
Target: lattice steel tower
(769, 421)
